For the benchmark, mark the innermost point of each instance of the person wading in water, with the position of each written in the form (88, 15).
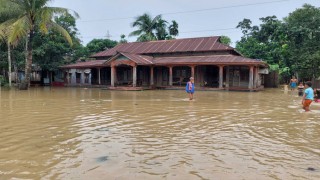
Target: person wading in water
(190, 88)
(293, 83)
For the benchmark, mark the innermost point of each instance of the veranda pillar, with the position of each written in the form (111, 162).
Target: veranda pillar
(99, 75)
(68, 77)
(82, 77)
(192, 71)
(170, 75)
(251, 78)
(134, 75)
(256, 77)
(113, 74)
(227, 76)
(151, 76)
(220, 77)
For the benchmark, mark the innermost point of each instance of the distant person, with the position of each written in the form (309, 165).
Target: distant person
(300, 89)
(308, 96)
(293, 83)
(190, 88)
(316, 95)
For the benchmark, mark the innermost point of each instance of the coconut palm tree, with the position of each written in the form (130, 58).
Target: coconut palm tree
(36, 16)
(173, 29)
(161, 29)
(4, 32)
(146, 27)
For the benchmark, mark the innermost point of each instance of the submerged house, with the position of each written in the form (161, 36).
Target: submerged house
(169, 64)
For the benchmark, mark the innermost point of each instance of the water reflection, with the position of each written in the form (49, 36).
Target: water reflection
(79, 133)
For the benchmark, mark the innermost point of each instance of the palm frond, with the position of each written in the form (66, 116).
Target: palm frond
(20, 29)
(156, 19)
(60, 11)
(136, 33)
(44, 17)
(61, 30)
(6, 28)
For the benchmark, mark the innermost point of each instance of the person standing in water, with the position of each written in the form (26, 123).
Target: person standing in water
(308, 96)
(300, 89)
(293, 83)
(190, 88)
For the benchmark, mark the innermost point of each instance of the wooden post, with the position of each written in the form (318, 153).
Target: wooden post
(227, 76)
(151, 76)
(113, 74)
(99, 75)
(134, 76)
(251, 78)
(220, 77)
(170, 75)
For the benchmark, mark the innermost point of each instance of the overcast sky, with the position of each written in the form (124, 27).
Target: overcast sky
(196, 18)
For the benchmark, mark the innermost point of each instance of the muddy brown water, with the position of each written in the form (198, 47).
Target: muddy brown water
(76, 133)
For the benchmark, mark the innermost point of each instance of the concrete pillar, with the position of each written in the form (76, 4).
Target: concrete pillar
(227, 76)
(151, 76)
(68, 77)
(251, 78)
(82, 77)
(256, 77)
(99, 75)
(220, 77)
(134, 76)
(192, 71)
(113, 74)
(170, 75)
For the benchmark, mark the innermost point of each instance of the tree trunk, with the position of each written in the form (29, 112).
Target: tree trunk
(14, 62)
(26, 82)
(9, 64)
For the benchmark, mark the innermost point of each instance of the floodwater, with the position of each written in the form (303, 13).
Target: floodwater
(77, 133)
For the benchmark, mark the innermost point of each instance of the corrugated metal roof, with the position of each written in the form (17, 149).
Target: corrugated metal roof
(87, 64)
(210, 59)
(179, 60)
(139, 59)
(202, 44)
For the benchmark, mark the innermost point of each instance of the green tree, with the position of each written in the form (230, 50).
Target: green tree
(123, 39)
(36, 16)
(292, 45)
(174, 29)
(225, 40)
(97, 45)
(150, 29)
(161, 29)
(267, 41)
(303, 38)
(51, 50)
(4, 31)
(146, 26)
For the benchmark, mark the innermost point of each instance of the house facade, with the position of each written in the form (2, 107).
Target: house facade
(169, 64)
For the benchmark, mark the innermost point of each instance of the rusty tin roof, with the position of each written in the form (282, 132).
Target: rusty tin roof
(209, 59)
(203, 44)
(87, 64)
